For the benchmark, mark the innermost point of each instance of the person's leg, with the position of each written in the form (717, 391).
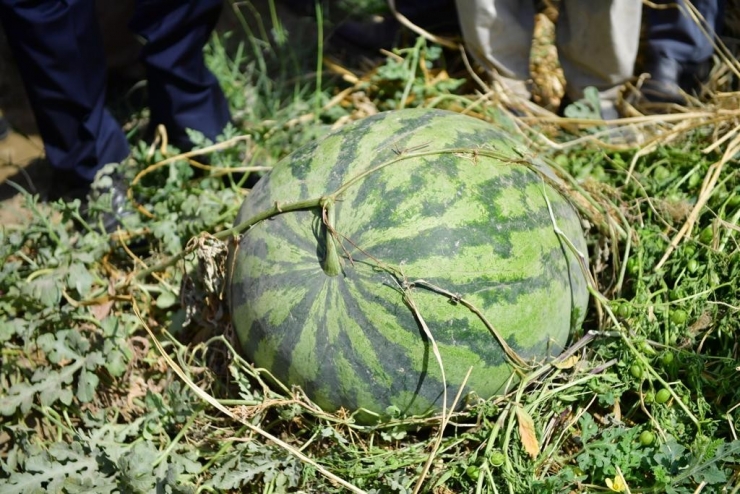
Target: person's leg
(498, 33)
(672, 33)
(597, 44)
(678, 48)
(59, 53)
(183, 93)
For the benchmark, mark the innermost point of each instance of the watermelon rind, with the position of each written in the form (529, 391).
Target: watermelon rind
(415, 211)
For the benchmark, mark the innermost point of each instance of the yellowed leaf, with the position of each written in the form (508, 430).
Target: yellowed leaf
(616, 485)
(567, 363)
(527, 432)
(617, 411)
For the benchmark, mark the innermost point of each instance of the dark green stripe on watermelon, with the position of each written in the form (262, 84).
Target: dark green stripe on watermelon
(471, 224)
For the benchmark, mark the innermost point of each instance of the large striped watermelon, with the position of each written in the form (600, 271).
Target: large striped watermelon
(424, 210)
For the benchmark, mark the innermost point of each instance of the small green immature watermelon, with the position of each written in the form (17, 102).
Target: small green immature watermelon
(434, 230)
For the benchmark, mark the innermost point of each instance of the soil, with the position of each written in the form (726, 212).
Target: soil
(20, 163)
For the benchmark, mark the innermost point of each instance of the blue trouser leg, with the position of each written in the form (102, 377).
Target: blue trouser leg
(59, 52)
(672, 34)
(183, 93)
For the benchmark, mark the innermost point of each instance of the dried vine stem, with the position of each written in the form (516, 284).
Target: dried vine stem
(514, 357)
(275, 210)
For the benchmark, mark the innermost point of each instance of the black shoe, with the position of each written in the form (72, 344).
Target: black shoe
(108, 199)
(654, 92)
(663, 85)
(694, 75)
(670, 81)
(103, 202)
(66, 185)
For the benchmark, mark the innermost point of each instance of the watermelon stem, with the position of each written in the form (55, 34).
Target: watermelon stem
(330, 264)
(230, 233)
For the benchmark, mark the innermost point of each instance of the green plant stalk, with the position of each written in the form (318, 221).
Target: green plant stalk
(181, 433)
(416, 53)
(509, 418)
(53, 416)
(319, 64)
(277, 26)
(491, 481)
(330, 264)
(88, 319)
(623, 267)
(730, 231)
(543, 397)
(688, 175)
(237, 61)
(258, 56)
(222, 450)
(492, 436)
(33, 205)
(38, 273)
(28, 260)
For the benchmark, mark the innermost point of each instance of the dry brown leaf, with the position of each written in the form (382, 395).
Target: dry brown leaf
(527, 432)
(567, 363)
(101, 311)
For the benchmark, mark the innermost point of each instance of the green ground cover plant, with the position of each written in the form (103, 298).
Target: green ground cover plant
(119, 368)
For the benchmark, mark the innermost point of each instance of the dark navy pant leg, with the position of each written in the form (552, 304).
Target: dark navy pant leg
(672, 34)
(183, 93)
(59, 52)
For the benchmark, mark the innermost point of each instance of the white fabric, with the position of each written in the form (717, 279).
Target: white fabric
(597, 40)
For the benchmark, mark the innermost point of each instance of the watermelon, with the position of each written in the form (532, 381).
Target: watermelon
(433, 250)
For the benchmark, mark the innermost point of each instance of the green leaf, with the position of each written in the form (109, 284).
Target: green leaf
(587, 108)
(56, 346)
(54, 385)
(45, 289)
(79, 279)
(115, 362)
(166, 300)
(12, 327)
(110, 325)
(710, 475)
(253, 461)
(86, 385)
(18, 396)
(62, 468)
(50, 385)
(137, 467)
